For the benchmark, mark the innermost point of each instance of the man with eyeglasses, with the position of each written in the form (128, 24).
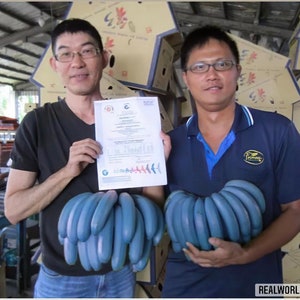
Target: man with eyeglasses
(54, 159)
(211, 149)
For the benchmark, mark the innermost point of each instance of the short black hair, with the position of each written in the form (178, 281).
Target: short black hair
(75, 25)
(200, 36)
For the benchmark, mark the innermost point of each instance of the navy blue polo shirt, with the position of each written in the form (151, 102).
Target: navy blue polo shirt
(263, 148)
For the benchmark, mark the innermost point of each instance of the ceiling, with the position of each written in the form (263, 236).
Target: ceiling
(25, 29)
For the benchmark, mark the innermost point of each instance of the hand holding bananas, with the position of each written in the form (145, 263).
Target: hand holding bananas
(223, 220)
(224, 254)
(106, 227)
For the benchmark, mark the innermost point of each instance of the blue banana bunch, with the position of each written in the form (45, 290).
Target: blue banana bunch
(234, 214)
(107, 227)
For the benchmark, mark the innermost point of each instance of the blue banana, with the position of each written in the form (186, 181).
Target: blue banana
(64, 215)
(160, 226)
(142, 263)
(187, 219)
(129, 216)
(73, 219)
(83, 255)
(102, 211)
(251, 206)
(148, 211)
(119, 246)
(252, 189)
(172, 202)
(87, 212)
(213, 217)
(232, 229)
(106, 238)
(91, 245)
(241, 215)
(176, 246)
(201, 225)
(61, 239)
(174, 195)
(136, 245)
(70, 251)
(177, 224)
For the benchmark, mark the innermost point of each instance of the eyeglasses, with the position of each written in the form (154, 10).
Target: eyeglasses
(220, 65)
(86, 53)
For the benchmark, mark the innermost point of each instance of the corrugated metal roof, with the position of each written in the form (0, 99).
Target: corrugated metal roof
(23, 39)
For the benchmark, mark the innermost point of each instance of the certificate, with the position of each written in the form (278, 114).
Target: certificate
(129, 131)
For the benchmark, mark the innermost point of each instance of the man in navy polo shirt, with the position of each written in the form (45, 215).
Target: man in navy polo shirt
(211, 149)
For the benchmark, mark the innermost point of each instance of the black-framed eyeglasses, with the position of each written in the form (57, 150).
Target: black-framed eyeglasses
(202, 67)
(68, 56)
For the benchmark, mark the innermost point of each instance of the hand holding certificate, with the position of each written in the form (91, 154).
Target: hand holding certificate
(129, 131)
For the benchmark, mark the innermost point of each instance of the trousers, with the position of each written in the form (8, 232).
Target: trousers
(115, 284)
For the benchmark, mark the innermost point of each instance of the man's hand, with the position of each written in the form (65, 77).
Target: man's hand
(81, 154)
(224, 254)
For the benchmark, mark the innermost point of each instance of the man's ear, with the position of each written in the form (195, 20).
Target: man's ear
(52, 62)
(239, 69)
(184, 79)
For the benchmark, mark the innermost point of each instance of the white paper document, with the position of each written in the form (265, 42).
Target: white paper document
(129, 131)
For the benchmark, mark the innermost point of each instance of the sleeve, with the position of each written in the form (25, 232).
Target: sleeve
(24, 152)
(288, 166)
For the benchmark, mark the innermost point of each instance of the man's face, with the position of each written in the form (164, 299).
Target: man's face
(80, 76)
(212, 90)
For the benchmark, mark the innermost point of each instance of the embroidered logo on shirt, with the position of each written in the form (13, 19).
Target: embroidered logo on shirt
(253, 157)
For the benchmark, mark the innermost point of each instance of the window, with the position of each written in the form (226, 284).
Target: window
(7, 101)
(13, 103)
(23, 98)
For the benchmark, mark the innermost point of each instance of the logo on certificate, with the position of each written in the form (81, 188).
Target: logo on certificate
(109, 108)
(104, 172)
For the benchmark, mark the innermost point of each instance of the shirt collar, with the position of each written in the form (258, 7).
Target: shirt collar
(242, 120)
